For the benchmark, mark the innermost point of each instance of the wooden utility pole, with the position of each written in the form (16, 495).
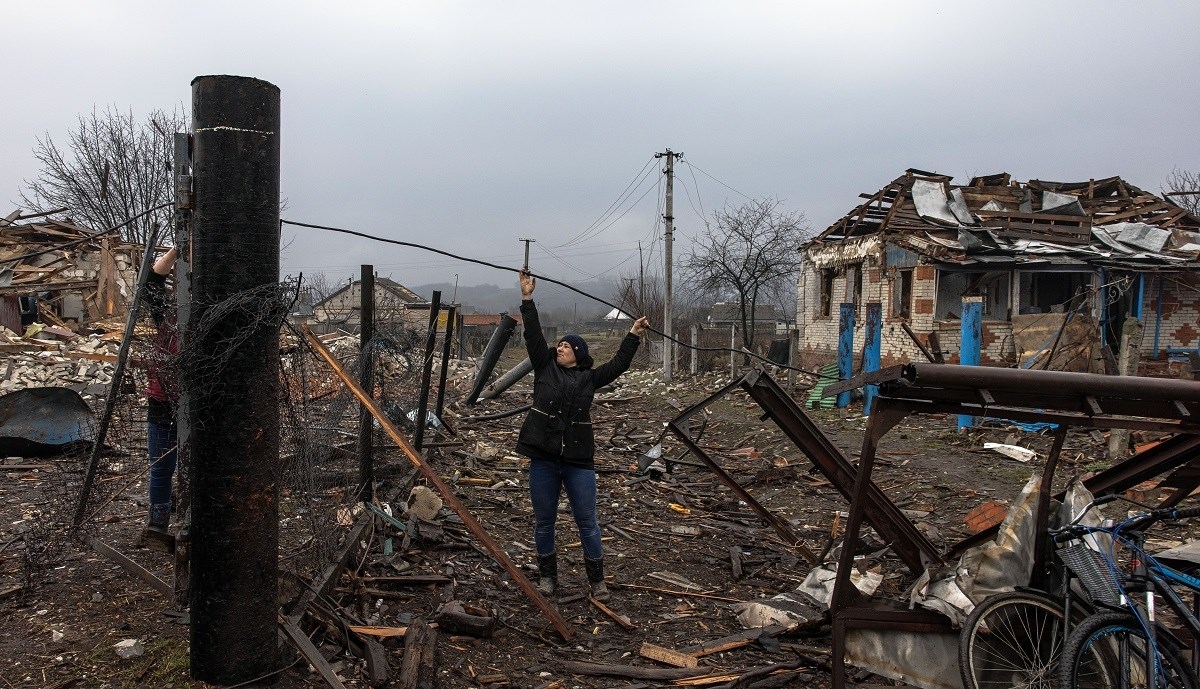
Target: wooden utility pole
(366, 377)
(668, 236)
(641, 283)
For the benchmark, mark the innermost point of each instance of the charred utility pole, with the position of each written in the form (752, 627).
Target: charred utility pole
(230, 375)
(366, 378)
(668, 236)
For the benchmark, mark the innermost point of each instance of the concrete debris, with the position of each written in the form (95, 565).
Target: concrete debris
(129, 648)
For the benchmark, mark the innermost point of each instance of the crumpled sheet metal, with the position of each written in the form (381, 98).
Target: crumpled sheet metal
(38, 422)
(994, 567)
(929, 661)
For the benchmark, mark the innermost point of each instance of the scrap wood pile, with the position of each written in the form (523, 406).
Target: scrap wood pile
(58, 257)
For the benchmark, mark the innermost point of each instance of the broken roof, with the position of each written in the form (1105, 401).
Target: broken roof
(995, 219)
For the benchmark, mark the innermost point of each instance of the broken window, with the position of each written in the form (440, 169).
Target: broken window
(827, 276)
(902, 294)
(854, 284)
(953, 285)
(1051, 292)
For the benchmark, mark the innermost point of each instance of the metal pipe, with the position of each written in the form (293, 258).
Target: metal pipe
(1024, 380)
(491, 354)
(507, 380)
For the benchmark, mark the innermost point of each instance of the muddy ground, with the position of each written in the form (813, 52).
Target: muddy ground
(668, 551)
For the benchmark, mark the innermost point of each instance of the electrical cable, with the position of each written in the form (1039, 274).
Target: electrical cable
(692, 165)
(413, 245)
(637, 179)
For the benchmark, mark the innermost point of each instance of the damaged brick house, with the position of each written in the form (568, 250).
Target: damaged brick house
(1057, 266)
(58, 272)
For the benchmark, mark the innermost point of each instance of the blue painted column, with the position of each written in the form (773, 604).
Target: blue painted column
(845, 350)
(1103, 307)
(971, 343)
(1141, 297)
(872, 349)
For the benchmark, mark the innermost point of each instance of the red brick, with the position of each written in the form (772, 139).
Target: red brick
(985, 516)
(924, 273)
(1185, 334)
(923, 306)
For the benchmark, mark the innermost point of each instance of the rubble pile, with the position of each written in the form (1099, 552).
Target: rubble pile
(83, 363)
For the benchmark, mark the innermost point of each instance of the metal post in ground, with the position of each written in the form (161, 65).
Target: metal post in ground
(366, 377)
(230, 372)
(845, 350)
(451, 316)
(427, 370)
(970, 344)
(873, 334)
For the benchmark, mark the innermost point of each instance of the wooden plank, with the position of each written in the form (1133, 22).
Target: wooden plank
(616, 616)
(418, 667)
(379, 632)
(132, 567)
(738, 640)
(666, 655)
(310, 652)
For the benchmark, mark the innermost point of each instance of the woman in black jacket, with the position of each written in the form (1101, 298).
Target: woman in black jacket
(557, 438)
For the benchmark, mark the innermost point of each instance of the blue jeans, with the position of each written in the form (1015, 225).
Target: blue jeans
(546, 481)
(162, 440)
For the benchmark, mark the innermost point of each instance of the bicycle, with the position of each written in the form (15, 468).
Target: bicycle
(1017, 638)
(1121, 645)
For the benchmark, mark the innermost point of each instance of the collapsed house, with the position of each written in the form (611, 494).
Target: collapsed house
(1057, 266)
(56, 271)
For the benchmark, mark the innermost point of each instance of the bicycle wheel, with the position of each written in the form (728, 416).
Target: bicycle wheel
(1012, 640)
(1108, 650)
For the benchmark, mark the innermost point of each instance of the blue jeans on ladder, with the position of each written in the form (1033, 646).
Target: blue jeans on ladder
(546, 481)
(161, 439)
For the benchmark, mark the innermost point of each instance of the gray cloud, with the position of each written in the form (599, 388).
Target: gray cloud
(466, 125)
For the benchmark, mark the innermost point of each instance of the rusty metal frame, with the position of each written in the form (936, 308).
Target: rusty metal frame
(1069, 399)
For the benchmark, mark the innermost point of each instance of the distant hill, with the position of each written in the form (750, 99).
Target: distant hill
(555, 303)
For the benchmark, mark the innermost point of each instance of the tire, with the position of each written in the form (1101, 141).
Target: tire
(1096, 656)
(1012, 640)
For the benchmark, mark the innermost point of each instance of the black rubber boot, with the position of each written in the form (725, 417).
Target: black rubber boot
(595, 575)
(157, 534)
(547, 573)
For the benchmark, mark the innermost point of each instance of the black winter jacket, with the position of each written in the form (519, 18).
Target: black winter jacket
(559, 427)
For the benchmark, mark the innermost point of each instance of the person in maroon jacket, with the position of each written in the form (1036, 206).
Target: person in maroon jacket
(162, 397)
(557, 438)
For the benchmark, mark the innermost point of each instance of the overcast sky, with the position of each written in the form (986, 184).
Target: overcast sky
(466, 125)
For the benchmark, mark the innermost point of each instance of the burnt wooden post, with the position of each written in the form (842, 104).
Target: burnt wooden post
(366, 376)
(427, 370)
(231, 377)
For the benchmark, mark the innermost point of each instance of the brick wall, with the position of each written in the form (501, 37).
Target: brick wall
(819, 334)
(1180, 325)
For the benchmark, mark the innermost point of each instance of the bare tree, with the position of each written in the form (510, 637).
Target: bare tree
(749, 255)
(112, 168)
(1183, 187)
